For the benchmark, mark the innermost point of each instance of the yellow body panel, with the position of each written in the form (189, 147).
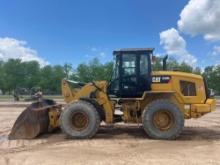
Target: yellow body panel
(191, 106)
(198, 110)
(212, 103)
(54, 119)
(174, 85)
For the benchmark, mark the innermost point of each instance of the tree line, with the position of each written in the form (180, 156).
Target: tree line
(17, 74)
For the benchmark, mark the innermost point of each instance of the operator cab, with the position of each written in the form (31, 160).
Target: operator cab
(132, 73)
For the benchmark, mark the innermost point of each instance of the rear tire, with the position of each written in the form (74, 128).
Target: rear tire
(80, 120)
(163, 120)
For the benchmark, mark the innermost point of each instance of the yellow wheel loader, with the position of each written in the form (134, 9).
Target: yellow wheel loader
(159, 101)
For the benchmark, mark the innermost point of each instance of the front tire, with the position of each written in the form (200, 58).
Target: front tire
(162, 120)
(80, 120)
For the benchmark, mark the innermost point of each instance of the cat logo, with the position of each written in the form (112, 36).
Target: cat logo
(156, 79)
(161, 79)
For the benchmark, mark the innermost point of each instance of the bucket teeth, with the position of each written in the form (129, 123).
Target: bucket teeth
(33, 121)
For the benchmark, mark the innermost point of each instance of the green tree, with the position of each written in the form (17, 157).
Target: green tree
(197, 70)
(46, 79)
(212, 75)
(172, 64)
(2, 78)
(14, 72)
(157, 66)
(185, 67)
(67, 70)
(50, 79)
(94, 71)
(58, 74)
(31, 74)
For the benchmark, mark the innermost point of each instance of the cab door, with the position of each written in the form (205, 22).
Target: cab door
(135, 74)
(129, 75)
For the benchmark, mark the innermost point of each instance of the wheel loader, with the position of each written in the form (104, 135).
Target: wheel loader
(159, 101)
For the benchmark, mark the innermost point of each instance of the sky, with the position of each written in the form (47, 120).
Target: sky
(76, 31)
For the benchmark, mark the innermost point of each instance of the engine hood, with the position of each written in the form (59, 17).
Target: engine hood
(176, 74)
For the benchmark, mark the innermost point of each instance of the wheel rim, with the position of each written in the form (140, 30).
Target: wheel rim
(163, 120)
(80, 121)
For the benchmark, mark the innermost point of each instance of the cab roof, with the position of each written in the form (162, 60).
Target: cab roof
(134, 50)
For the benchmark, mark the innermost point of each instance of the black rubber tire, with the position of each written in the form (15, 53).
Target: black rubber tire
(97, 106)
(152, 130)
(93, 120)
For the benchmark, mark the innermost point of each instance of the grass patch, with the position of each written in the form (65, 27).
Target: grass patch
(10, 97)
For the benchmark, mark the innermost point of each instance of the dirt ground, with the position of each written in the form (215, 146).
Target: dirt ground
(122, 144)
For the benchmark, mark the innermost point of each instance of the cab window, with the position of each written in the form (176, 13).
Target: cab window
(116, 69)
(144, 65)
(188, 88)
(128, 65)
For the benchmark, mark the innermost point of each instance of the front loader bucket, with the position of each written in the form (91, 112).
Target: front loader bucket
(34, 120)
